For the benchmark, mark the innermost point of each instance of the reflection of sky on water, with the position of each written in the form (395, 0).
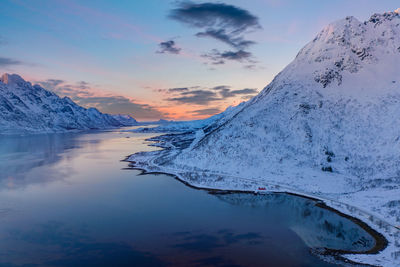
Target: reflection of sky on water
(75, 205)
(43, 158)
(23, 159)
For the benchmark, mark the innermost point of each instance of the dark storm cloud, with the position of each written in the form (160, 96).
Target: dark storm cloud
(168, 47)
(199, 97)
(222, 22)
(218, 58)
(5, 62)
(207, 111)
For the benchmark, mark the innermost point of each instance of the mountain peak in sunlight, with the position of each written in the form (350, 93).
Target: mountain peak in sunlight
(10, 79)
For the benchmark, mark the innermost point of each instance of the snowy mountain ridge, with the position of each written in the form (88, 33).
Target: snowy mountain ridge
(27, 108)
(334, 98)
(125, 119)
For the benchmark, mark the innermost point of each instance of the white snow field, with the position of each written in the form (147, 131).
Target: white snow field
(125, 120)
(327, 126)
(27, 108)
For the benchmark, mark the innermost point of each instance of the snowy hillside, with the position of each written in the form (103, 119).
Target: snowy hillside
(25, 108)
(125, 120)
(327, 125)
(334, 107)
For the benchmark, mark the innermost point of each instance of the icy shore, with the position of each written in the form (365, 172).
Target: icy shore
(347, 202)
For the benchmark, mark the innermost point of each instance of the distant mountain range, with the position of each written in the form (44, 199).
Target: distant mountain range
(27, 108)
(170, 126)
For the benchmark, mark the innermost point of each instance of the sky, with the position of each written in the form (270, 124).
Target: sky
(163, 59)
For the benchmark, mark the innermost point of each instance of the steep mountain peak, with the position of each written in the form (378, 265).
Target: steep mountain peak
(349, 47)
(12, 79)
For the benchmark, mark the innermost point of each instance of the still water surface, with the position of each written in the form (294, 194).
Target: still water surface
(69, 200)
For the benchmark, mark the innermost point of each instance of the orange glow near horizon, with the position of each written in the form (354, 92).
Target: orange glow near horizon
(156, 101)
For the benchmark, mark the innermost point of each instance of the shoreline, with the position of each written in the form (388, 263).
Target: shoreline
(381, 242)
(386, 234)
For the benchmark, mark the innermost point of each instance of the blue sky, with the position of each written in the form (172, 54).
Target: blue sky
(107, 54)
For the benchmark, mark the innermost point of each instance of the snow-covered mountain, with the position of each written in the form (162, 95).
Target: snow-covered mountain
(125, 120)
(328, 125)
(335, 107)
(26, 108)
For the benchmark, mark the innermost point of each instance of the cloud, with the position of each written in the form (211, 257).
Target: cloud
(169, 47)
(231, 93)
(221, 87)
(207, 111)
(218, 58)
(120, 105)
(180, 89)
(215, 15)
(250, 67)
(206, 96)
(221, 35)
(83, 94)
(247, 97)
(62, 88)
(222, 22)
(5, 62)
(198, 97)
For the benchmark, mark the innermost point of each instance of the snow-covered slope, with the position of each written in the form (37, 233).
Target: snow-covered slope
(26, 108)
(125, 120)
(328, 125)
(336, 106)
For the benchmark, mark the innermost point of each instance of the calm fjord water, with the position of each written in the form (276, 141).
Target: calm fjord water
(68, 200)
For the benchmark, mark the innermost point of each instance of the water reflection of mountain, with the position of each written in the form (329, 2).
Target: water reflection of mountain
(316, 226)
(28, 159)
